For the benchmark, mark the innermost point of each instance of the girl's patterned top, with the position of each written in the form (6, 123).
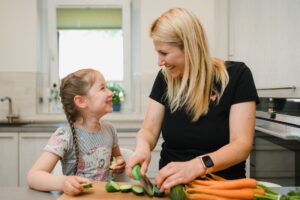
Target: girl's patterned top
(95, 150)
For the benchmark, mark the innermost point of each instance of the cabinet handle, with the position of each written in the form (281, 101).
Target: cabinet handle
(279, 88)
(6, 137)
(34, 137)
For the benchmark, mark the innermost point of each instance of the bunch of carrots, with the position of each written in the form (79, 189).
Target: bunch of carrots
(221, 189)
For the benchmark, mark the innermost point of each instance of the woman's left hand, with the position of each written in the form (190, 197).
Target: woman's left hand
(176, 173)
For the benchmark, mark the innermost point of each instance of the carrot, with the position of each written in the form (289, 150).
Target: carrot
(248, 193)
(207, 197)
(234, 184)
(202, 182)
(216, 177)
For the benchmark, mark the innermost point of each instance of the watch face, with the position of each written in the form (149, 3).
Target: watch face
(207, 161)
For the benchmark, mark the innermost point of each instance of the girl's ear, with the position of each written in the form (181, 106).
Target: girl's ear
(80, 101)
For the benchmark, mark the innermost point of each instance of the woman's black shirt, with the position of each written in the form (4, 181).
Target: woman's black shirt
(184, 139)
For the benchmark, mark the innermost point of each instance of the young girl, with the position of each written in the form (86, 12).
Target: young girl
(87, 145)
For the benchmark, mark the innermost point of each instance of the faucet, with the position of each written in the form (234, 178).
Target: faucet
(10, 117)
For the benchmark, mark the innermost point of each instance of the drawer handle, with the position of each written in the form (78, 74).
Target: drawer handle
(33, 137)
(6, 137)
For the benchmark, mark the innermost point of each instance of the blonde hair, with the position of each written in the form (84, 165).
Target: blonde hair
(182, 28)
(76, 83)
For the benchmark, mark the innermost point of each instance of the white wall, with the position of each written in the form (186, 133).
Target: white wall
(150, 10)
(18, 46)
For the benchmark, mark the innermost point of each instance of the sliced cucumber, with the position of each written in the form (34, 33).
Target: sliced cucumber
(125, 188)
(87, 185)
(157, 192)
(138, 190)
(136, 172)
(112, 186)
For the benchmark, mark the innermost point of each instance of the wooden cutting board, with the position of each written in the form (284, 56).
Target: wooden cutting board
(98, 192)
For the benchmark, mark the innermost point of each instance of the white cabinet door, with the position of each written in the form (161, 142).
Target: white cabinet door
(265, 35)
(30, 147)
(9, 159)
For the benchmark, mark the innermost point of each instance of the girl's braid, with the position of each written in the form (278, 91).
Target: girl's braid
(77, 83)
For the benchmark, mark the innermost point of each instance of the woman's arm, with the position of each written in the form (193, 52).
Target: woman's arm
(147, 137)
(40, 178)
(241, 125)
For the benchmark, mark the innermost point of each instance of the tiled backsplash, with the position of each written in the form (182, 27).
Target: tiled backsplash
(21, 87)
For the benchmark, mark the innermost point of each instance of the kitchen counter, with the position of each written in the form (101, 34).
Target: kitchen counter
(121, 126)
(25, 193)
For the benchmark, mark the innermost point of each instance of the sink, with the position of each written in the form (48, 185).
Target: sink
(14, 124)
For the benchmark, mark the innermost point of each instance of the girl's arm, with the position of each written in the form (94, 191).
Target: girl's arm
(241, 126)
(40, 178)
(147, 137)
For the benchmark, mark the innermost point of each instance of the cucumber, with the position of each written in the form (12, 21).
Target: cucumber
(177, 193)
(87, 185)
(125, 188)
(138, 190)
(112, 186)
(157, 192)
(136, 172)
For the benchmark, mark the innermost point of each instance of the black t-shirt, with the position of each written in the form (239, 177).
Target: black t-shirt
(184, 139)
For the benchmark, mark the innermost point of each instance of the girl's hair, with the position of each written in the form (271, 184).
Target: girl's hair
(76, 83)
(203, 75)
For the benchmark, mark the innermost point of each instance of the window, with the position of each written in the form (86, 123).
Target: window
(78, 34)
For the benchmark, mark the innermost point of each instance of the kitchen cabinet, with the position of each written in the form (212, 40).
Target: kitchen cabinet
(30, 147)
(9, 159)
(264, 35)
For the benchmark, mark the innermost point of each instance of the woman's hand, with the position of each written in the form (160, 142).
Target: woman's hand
(72, 185)
(119, 166)
(142, 156)
(176, 173)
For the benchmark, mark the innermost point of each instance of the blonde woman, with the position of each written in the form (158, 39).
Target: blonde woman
(204, 107)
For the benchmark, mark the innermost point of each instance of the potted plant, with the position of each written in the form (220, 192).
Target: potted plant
(118, 95)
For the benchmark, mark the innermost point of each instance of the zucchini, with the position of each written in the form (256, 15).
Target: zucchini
(125, 188)
(87, 185)
(138, 190)
(177, 192)
(112, 186)
(157, 192)
(136, 172)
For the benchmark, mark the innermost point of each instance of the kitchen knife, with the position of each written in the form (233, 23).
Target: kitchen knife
(148, 186)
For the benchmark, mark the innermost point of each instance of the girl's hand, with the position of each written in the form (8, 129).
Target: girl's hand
(176, 173)
(72, 185)
(119, 166)
(142, 156)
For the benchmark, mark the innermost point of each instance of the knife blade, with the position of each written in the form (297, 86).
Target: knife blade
(148, 186)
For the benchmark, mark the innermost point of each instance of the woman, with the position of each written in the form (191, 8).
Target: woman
(204, 107)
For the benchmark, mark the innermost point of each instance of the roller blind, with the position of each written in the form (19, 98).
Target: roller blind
(89, 18)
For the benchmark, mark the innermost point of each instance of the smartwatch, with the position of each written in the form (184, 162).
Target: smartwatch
(207, 162)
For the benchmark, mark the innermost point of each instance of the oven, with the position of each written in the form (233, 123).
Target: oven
(276, 152)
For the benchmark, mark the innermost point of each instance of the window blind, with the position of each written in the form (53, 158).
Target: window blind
(89, 18)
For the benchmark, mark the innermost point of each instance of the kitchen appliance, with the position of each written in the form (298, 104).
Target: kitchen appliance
(276, 152)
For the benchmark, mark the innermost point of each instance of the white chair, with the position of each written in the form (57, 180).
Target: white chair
(122, 177)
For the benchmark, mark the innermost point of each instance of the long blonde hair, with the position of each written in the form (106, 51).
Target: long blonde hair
(76, 83)
(193, 90)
